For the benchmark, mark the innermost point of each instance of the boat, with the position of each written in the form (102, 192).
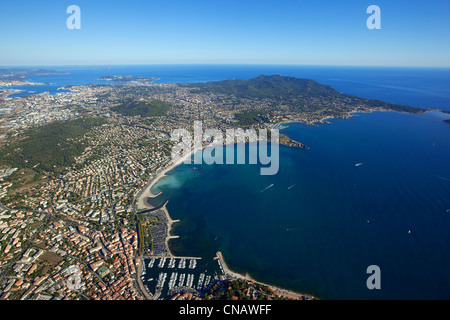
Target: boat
(173, 279)
(182, 264)
(162, 262)
(161, 280)
(200, 281)
(192, 264)
(190, 280)
(181, 280)
(268, 187)
(207, 281)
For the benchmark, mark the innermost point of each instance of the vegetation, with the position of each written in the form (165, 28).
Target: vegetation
(296, 94)
(246, 119)
(128, 79)
(388, 106)
(145, 241)
(239, 290)
(49, 148)
(152, 108)
(267, 87)
(140, 237)
(20, 74)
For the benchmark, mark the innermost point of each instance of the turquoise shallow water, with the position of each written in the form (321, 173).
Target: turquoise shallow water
(325, 220)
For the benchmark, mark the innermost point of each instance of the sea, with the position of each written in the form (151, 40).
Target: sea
(421, 87)
(370, 190)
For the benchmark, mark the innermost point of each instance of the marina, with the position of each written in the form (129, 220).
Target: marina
(179, 274)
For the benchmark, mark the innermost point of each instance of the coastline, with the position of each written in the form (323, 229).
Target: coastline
(280, 292)
(144, 194)
(348, 115)
(142, 204)
(246, 277)
(170, 222)
(323, 120)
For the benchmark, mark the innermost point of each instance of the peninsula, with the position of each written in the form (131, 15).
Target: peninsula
(129, 79)
(19, 76)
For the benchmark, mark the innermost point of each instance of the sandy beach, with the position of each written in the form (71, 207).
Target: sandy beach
(141, 198)
(277, 291)
(142, 204)
(229, 272)
(144, 194)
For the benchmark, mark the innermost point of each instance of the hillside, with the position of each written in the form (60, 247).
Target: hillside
(293, 92)
(152, 108)
(268, 87)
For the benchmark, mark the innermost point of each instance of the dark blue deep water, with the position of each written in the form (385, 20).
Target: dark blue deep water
(325, 220)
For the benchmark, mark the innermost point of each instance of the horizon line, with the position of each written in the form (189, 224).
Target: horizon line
(224, 64)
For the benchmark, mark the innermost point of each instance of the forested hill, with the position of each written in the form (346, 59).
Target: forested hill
(289, 89)
(267, 87)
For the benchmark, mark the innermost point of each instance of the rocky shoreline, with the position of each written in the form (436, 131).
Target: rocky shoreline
(285, 140)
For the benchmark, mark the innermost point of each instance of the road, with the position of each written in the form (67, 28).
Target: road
(140, 268)
(2, 207)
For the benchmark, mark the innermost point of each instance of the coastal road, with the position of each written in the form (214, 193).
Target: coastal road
(141, 287)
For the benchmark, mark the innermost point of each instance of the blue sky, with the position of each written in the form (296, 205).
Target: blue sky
(319, 32)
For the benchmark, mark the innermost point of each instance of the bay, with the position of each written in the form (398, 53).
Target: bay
(325, 220)
(419, 87)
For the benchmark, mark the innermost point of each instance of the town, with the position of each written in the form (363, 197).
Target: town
(73, 163)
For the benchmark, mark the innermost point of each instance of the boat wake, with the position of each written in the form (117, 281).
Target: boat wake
(292, 186)
(266, 188)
